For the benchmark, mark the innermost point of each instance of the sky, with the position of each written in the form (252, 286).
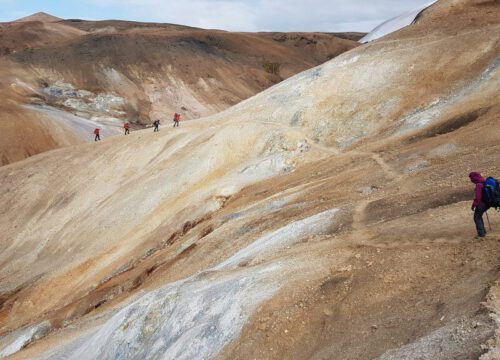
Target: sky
(234, 15)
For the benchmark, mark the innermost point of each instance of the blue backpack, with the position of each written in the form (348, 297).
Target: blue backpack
(491, 193)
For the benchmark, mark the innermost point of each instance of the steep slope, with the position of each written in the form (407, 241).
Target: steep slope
(114, 71)
(21, 36)
(195, 72)
(327, 217)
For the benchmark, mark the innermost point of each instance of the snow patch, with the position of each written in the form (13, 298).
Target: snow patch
(394, 24)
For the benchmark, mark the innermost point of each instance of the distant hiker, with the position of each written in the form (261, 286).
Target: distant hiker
(127, 128)
(177, 118)
(96, 133)
(156, 124)
(487, 196)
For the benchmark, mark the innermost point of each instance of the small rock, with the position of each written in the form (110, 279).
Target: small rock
(346, 268)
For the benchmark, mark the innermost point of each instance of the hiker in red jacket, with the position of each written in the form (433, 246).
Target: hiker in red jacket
(96, 133)
(479, 206)
(126, 127)
(177, 118)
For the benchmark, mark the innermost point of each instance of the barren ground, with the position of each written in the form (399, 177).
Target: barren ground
(326, 218)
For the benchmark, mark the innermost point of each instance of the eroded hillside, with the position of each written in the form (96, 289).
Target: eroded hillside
(108, 72)
(327, 217)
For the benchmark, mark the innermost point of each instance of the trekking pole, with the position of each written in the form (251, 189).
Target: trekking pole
(488, 218)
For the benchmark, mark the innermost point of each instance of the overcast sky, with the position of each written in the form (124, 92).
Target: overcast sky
(236, 15)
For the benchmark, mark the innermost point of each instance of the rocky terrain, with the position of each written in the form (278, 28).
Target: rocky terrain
(327, 217)
(107, 72)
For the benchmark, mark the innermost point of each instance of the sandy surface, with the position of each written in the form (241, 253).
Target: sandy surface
(326, 218)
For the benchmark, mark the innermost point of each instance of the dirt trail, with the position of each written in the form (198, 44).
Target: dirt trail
(361, 232)
(393, 175)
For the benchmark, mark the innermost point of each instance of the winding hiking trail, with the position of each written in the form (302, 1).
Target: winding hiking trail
(360, 228)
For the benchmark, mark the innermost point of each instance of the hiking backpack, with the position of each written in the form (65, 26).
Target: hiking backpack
(491, 193)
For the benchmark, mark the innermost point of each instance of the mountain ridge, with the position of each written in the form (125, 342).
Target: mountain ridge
(39, 16)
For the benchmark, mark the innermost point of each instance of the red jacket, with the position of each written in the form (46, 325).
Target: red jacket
(477, 179)
(96, 131)
(125, 125)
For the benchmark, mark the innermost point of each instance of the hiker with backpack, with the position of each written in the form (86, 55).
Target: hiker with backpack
(156, 124)
(96, 133)
(487, 195)
(127, 128)
(177, 118)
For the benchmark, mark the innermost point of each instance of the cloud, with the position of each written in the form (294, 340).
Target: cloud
(221, 14)
(265, 15)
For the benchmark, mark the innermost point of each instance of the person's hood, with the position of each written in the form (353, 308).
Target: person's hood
(476, 177)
